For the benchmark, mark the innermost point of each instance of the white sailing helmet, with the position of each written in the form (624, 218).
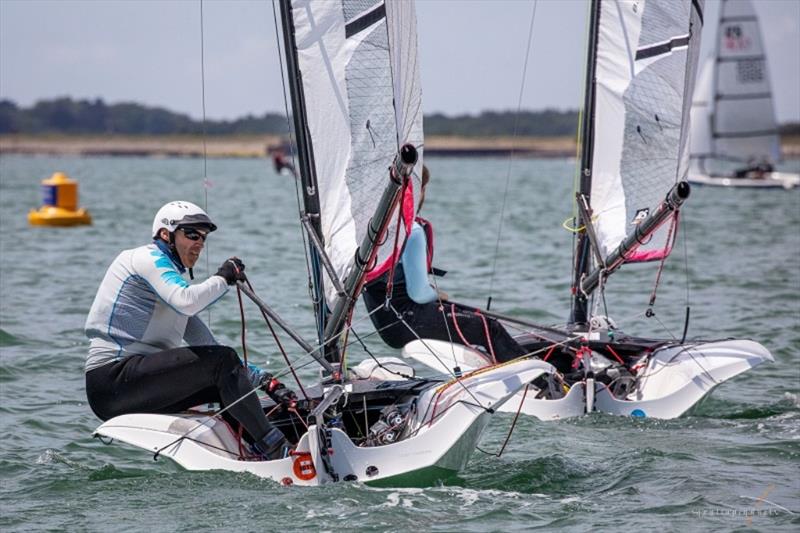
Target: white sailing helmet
(176, 214)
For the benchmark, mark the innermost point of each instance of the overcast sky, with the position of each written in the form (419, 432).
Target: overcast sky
(472, 53)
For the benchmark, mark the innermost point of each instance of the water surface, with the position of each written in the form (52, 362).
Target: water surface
(733, 463)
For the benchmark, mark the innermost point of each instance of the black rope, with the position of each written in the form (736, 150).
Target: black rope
(380, 365)
(688, 282)
(205, 149)
(511, 154)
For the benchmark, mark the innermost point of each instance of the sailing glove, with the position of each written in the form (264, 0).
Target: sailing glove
(232, 270)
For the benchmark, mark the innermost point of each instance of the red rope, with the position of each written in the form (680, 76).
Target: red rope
(488, 337)
(673, 234)
(615, 354)
(458, 329)
(395, 251)
(579, 355)
(550, 352)
(278, 342)
(239, 439)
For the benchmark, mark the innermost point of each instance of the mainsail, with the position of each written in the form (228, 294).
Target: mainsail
(645, 77)
(642, 63)
(357, 60)
(733, 116)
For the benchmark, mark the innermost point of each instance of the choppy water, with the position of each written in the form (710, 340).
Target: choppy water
(732, 464)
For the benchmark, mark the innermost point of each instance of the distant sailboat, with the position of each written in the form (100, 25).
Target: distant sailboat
(733, 114)
(641, 64)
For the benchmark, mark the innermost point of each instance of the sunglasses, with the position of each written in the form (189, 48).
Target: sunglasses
(194, 235)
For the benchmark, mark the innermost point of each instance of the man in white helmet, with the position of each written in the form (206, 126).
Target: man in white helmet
(143, 311)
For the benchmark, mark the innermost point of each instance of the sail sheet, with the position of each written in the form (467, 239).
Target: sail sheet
(360, 79)
(743, 118)
(645, 67)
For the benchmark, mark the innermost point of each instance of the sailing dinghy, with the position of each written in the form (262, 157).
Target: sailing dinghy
(632, 183)
(733, 115)
(354, 83)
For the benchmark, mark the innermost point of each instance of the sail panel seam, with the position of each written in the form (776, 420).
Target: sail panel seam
(742, 18)
(751, 96)
(740, 58)
(739, 134)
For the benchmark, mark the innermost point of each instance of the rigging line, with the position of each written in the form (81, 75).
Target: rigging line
(206, 420)
(331, 339)
(205, 149)
(274, 336)
(380, 365)
(579, 140)
(688, 283)
(511, 155)
(292, 144)
(452, 374)
(444, 318)
(513, 425)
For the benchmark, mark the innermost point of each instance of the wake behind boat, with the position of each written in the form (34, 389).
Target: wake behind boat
(357, 117)
(733, 113)
(632, 184)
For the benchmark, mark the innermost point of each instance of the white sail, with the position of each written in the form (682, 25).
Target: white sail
(360, 77)
(743, 116)
(646, 60)
(701, 146)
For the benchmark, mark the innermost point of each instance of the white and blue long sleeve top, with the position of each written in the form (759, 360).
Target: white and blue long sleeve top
(144, 306)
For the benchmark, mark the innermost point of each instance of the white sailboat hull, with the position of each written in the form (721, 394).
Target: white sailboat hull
(446, 427)
(673, 380)
(771, 180)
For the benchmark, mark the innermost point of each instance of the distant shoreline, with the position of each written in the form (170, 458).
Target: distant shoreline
(261, 146)
(258, 146)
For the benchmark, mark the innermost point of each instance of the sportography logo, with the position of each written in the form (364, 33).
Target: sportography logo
(761, 508)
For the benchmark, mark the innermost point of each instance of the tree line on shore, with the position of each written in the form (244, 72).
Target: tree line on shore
(95, 117)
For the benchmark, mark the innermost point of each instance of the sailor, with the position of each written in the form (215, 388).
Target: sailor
(424, 309)
(142, 312)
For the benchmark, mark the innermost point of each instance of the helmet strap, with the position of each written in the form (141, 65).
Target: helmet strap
(175, 253)
(171, 251)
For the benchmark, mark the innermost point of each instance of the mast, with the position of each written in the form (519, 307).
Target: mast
(578, 311)
(399, 174)
(305, 154)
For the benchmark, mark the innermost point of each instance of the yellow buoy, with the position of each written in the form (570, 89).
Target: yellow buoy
(60, 199)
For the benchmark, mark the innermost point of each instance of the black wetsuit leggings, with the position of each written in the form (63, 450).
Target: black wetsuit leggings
(429, 321)
(175, 380)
